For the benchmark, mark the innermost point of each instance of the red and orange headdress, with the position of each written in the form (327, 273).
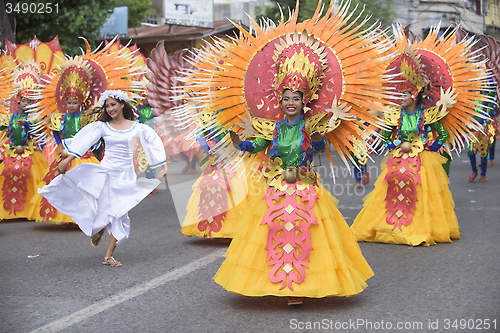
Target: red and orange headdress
(27, 78)
(411, 77)
(75, 80)
(300, 62)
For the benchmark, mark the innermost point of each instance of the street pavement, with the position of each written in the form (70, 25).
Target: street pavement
(53, 280)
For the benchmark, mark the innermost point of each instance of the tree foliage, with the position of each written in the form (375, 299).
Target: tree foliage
(377, 9)
(138, 10)
(73, 18)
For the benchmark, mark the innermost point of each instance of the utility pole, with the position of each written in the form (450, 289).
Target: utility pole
(483, 15)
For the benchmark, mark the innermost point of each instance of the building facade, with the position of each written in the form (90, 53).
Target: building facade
(474, 16)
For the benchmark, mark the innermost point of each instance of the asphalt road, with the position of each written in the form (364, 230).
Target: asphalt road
(52, 280)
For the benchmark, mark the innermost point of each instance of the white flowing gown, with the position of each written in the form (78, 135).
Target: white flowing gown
(98, 196)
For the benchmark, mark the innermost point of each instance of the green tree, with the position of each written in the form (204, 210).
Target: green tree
(69, 20)
(377, 9)
(138, 10)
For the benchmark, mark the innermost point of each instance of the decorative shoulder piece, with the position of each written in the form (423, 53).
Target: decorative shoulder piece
(6, 120)
(264, 128)
(433, 114)
(204, 118)
(391, 117)
(319, 123)
(90, 116)
(56, 121)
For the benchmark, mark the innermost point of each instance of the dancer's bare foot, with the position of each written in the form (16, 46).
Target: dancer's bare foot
(294, 300)
(482, 179)
(473, 176)
(191, 172)
(186, 168)
(493, 162)
(357, 185)
(366, 178)
(70, 225)
(96, 238)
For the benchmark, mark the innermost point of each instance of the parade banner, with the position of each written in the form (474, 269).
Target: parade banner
(195, 13)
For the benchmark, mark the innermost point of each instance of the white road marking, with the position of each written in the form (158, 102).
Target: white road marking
(140, 289)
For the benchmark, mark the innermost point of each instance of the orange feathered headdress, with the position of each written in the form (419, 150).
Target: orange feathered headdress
(26, 78)
(412, 78)
(300, 65)
(75, 80)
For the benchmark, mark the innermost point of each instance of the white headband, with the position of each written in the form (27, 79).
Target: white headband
(116, 94)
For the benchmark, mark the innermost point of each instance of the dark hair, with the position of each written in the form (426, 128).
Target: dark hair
(420, 97)
(423, 93)
(128, 111)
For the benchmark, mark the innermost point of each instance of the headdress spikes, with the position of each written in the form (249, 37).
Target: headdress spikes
(412, 78)
(26, 78)
(75, 80)
(300, 63)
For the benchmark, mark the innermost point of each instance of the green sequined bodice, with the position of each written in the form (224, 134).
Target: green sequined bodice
(17, 129)
(71, 125)
(409, 123)
(290, 139)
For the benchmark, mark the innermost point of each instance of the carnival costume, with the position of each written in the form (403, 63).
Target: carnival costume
(491, 53)
(219, 195)
(98, 196)
(23, 162)
(411, 203)
(292, 240)
(483, 140)
(361, 175)
(74, 82)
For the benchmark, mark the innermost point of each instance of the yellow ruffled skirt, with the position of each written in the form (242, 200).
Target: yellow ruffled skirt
(37, 171)
(336, 265)
(434, 220)
(40, 211)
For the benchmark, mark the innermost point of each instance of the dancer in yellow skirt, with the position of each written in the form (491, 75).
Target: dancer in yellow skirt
(215, 208)
(219, 197)
(73, 98)
(284, 92)
(23, 165)
(411, 203)
(295, 233)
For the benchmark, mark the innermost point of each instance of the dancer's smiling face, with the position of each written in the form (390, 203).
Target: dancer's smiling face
(407, 99)
(114, 108)
(291, 103)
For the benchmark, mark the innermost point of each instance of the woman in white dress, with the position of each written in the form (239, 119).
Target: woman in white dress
(99, 196)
